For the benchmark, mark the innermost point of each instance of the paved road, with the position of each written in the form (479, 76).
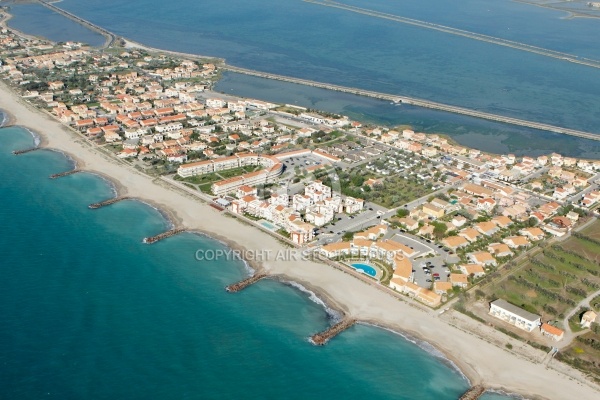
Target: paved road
(570, 335)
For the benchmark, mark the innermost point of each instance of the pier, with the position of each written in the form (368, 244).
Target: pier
(164, 235)
(419, 103)
(473, 393)
(108, 202)
(110, 37)
(17, 152)
(241, 285)
(67, 173)
(319, 339)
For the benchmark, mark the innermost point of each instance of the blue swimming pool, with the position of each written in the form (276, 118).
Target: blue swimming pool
(268, 225)
(366, 269)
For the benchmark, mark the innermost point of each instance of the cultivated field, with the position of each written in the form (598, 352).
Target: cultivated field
(555, 280)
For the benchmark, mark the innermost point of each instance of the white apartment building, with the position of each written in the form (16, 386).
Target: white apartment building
(514, 315)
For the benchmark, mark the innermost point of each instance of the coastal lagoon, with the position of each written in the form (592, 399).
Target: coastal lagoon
(37, 20)
(89, 311)
(523, 23)
(305, 40)
(493, 137)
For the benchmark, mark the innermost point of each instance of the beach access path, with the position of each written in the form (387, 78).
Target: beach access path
(481, 360)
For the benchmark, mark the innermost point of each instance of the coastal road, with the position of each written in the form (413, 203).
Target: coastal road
(569, 334)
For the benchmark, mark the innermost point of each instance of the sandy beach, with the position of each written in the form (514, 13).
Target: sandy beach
(481, 357)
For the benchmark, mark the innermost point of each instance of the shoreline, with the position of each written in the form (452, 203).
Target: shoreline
(326, 283)
(335, 288)
(57, 136)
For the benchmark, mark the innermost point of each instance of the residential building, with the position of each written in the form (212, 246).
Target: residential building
(514, 315)
(460, 280)
(588, 318)
(552, 332)
(472, 269)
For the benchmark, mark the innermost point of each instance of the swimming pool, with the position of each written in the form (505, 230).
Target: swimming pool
(366, 269)
(268, 225)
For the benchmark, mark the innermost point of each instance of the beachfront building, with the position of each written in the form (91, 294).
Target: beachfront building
(552, 332)
(384, 249)
(423, 295)
(514, 315)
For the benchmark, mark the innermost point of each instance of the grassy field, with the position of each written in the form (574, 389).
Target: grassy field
(396, 191)
(552, 282)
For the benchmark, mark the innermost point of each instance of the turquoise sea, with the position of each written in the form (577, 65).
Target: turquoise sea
(89, 311)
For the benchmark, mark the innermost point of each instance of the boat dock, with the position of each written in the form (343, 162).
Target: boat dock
(17, 152)
(473, 393)
(164, 235)
(108, 202)
(67, 173)
(241, 285)
(319, 339)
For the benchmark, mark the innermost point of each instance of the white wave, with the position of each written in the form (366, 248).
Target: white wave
(251, 271)
(4, 119)
(423, 345)
(248, 268)
(112, 186)
(36, 138)
(71, 160)
(169, 224)
(334, 315)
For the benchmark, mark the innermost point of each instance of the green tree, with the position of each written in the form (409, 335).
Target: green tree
(402, 212)
(346, 237)
(532, 221)
(357, 180)
(439, 229)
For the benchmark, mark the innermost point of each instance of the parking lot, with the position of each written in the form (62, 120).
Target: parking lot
(303, 161)
(343, 223)
(435, 265)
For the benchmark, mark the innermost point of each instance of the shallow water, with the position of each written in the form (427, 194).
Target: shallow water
(89, 311)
